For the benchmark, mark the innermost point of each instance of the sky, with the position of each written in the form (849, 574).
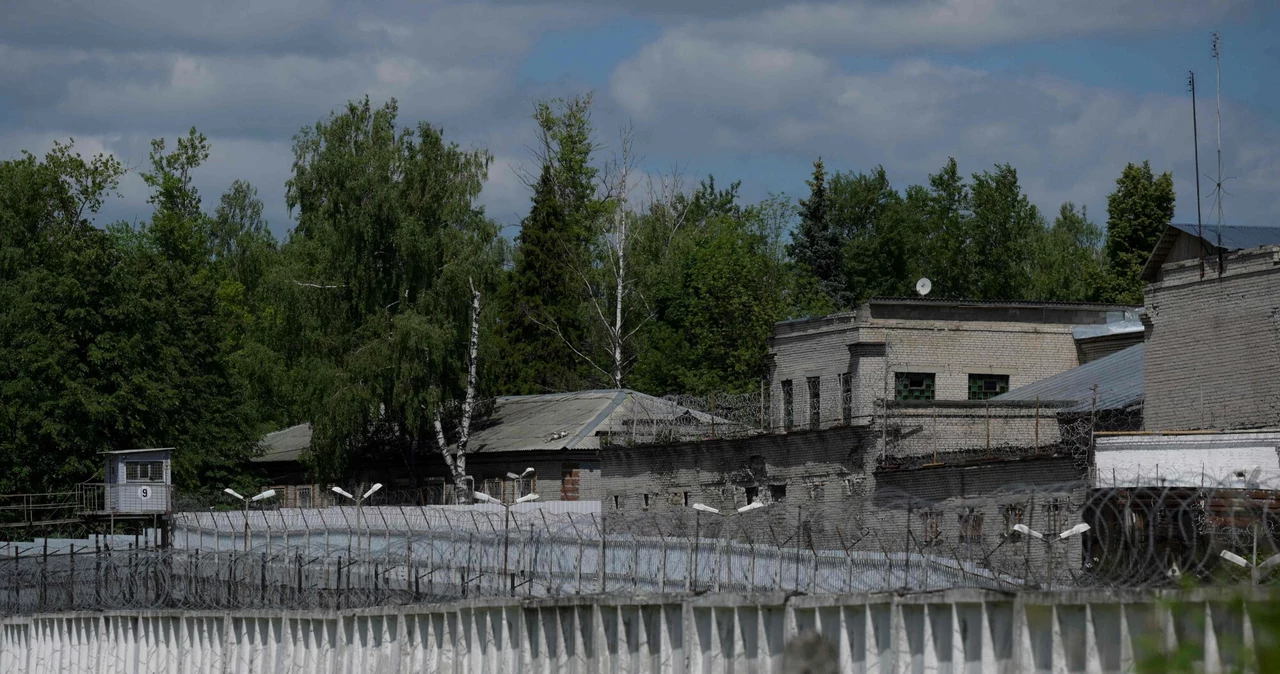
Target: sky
(1067, 91)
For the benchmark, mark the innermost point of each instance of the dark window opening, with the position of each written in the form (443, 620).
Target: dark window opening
(686, 499)
(815, 402)
(1012, 515)
(971, 526)
(778, 492)
(983, 386)
(752, 494)
(932, 522)
(913, 385)
(647, 501)
(617, 502)
(846, 398)
(788, 409)
(1053, 516)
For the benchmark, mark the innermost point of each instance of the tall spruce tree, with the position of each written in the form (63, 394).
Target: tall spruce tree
(816, 244)
(1137, 214)
(546, 334)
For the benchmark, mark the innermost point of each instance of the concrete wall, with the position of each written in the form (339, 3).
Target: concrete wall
(954, 631)
(1213, 345)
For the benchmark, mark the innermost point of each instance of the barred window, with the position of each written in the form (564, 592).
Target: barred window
(932, 522)
(815, 402)
(1012, 515)
(1053, 515)
(144, 471)
(983, 386)
(846, 397)
(971, 526)
(913, 385)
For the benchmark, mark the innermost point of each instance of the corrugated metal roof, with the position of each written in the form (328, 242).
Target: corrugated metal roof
(1119, 378)
(550, 421)
(285, 445)
(1234, 237)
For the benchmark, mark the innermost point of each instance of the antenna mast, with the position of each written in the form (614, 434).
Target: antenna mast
(1195, 140)
(1217, 60)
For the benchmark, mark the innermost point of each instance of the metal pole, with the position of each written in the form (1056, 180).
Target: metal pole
(246, 525)
(506, 548)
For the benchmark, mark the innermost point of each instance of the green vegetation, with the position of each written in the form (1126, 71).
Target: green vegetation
(198, 329)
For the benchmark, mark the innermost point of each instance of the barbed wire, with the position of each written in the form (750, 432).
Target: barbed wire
(1204, 529)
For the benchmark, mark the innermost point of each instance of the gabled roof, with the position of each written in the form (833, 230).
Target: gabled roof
(285, 445)
(547, 422)
(1234, 237)
(560, 421)
(1119, 377)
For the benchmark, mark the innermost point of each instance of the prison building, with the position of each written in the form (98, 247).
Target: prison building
(1213, 335)
(833, 370)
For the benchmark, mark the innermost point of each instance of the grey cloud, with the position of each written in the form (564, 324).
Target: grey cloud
(1068, 141)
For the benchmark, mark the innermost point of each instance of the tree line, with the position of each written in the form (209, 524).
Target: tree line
(393, 308)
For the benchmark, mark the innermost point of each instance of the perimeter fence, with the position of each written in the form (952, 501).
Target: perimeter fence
(1190, 531)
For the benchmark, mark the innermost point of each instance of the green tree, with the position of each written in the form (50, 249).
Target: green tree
(816, 243)
(946, 239)
(547, 335)
(1137, 214)
(1003, 231)
(880, 234)
(388, 247)
(1069, 263)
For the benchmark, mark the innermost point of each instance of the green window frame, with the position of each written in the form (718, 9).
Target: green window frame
(984, 386)
(913, 385)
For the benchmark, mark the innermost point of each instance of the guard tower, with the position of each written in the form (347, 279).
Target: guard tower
(138, 482)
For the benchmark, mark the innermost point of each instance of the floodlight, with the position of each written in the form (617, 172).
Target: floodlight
(376, 486)
(527, 498)
(751, 506)
(231, 491)
(340, 490)
(705, 508)
(483, 497)
(266, 494)
(1234, 558)
(1024, 529)
(1076, 530)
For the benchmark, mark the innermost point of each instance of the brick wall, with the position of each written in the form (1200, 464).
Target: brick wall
(951, 342)
(1213, 345)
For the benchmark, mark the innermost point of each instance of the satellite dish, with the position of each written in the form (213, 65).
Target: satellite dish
(923, 286)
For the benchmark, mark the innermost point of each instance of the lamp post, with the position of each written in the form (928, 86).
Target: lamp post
(697, 530)
(264, 495)
(1050, 538)
(359, 501)
(1253, 568)
(506, 527)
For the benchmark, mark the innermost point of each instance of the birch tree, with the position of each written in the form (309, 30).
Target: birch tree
(390, 255)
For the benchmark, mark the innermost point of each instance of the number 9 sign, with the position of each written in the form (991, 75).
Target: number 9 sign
(144, 493)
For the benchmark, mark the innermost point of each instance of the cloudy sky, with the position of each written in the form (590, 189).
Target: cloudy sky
(1067, 92)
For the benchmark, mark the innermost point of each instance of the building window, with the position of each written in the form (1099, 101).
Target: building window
(304, 497)
(971, 526)
(932, 522)
(913, 385)
(752, 494)
(815, 402)
(144, 471)
(1012, 515)
(617, 502)
(788, 408)
(570, 482)
(1053, 516)
(778, 492)
(983, 386)
(846, 397)
(817, 491)
(686, 499)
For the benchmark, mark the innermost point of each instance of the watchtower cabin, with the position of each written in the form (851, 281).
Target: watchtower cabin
(138, 482)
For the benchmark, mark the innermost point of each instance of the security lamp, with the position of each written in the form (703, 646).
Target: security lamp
(1076, 530)
(527, 498)
(340, 490)
(705, 508)
(527, 472)
(751, 506)
(266, 494)
(481, 496)
(1269, 562)
(1024, 529)
(231, 491)
(376, 486)
(1235, 559)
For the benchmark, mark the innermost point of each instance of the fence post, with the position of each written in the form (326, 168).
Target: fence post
(71, 581)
